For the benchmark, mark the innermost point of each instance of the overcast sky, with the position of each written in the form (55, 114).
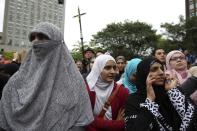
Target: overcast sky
(99, 13)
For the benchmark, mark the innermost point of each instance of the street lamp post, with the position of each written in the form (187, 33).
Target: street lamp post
(81, 35)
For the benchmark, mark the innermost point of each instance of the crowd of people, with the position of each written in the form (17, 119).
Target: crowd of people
(49, 91)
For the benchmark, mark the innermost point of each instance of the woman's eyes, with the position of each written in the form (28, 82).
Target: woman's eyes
(153, 69)
(109, 67)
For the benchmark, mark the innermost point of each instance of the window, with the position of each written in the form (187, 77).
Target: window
(191, 6)
(17, 32)
(16, 43)
(24, 33)
(192, 14)
(10, 18)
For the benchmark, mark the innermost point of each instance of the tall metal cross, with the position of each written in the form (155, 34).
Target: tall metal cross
(81, 34)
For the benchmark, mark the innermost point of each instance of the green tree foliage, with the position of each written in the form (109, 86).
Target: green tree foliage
(76, 55)
(166, 45)
(175, 33)
(132, 38)
(191, 35)
(77, 52)
(8, 55)
(128, 38)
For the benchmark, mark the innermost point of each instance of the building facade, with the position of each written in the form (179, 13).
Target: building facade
(22, 15)
(191, 8)
(1, 38)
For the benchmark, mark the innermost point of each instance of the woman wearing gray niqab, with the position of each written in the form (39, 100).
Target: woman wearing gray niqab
(48, 92)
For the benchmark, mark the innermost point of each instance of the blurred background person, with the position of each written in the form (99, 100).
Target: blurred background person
(189, 87)
(160, 54)
(189, 57)
(91, 64)
(121, 63)
(99, 53)
(3, 60)
(88, 55)
(79, 65)
(129, 79)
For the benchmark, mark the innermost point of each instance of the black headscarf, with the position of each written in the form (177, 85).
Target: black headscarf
(165, 107)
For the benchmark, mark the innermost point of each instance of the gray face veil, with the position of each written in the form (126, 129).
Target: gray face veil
(48, 92)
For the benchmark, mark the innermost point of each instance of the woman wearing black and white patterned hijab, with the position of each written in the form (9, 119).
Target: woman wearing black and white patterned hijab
(48, 92)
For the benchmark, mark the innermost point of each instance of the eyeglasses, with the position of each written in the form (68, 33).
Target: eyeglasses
(176, 58)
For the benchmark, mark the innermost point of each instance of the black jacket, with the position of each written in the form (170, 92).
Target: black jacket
(142, 120)
(3, 80)
(189, 86)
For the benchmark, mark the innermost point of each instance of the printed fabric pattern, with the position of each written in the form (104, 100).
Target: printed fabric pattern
(153, 108)
(179, 103)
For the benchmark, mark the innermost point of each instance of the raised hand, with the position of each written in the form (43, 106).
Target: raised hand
(171, 81)
(150, 92)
